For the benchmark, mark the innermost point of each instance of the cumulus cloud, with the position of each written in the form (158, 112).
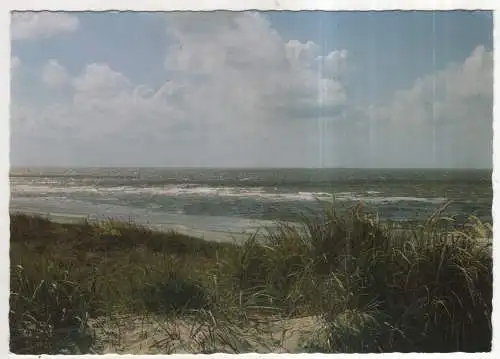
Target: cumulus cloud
(54, 74)
(443, 120)
(40, 25)
(237, 94)
(98, 80)
(335, 64)
(274, 78)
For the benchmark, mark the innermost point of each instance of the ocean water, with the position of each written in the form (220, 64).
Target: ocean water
(241, 200)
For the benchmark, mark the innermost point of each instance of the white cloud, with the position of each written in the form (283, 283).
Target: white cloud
(242, 60)
(54, 74)
(301, 54)
(98, 80)
(238, 94)
(445, 119)
(335, 64)
(39, 25)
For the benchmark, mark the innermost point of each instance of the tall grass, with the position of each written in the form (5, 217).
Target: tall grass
(374, 287)
(378, 287)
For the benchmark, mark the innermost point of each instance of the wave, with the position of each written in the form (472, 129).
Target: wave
(46, 189)
(385, 200)
(193, 190)
(173, 191)
(356, 197)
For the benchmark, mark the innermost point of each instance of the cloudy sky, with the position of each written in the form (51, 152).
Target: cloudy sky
(280, 89)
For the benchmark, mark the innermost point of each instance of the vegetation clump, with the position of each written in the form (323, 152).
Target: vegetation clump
(374, 287)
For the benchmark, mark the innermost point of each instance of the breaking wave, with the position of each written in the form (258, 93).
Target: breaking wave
(193, 190)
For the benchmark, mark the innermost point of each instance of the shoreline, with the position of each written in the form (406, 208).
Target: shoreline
(212, 236)
(206, 235)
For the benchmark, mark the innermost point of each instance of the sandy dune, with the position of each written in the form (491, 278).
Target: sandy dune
(156, 335)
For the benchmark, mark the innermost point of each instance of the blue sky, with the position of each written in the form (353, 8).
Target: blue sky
(182, 72)
(396, 44)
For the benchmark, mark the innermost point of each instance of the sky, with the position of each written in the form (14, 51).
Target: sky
(252, 89)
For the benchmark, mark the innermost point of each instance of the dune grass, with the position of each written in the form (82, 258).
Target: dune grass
(373, 287)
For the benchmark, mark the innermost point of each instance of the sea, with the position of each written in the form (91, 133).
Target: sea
(244, 200)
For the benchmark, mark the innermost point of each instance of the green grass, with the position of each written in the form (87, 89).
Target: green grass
(376, 288)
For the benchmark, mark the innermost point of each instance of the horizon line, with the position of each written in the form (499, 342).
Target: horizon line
(239, 168)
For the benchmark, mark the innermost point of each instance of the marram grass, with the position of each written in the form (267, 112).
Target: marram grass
(372, 286)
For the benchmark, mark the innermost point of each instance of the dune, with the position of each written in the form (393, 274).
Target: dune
(156, 335)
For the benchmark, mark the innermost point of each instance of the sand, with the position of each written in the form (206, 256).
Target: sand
(213, 236)
(157, 335)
